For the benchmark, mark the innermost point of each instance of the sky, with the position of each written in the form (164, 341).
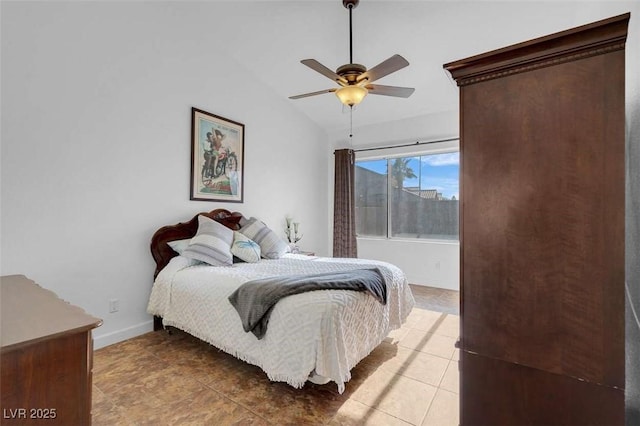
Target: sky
(434, 171)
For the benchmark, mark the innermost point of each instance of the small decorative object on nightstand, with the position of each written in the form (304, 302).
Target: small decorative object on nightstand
(292, 234)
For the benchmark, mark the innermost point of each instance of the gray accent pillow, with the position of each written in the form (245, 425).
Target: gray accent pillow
(211, 244)
(271, 246)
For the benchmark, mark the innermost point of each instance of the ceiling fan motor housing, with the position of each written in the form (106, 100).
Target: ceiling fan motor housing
(351, 72)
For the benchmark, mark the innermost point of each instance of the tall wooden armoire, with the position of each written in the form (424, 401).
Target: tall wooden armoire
(542, 140)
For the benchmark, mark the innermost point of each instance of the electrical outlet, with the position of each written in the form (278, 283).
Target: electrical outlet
(114, 305)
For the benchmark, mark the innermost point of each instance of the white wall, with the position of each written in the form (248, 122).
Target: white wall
(96, 110)
(632, 284)
(434, 264)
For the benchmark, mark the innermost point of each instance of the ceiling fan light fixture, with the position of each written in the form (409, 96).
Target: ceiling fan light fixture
(351, 95)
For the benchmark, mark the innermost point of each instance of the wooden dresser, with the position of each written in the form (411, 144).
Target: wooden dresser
(46, 356)
(542, 229)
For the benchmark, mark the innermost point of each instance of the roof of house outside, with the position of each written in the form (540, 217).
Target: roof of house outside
(429, 194)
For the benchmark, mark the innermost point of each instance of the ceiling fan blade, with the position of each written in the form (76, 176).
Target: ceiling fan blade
(400, 92)
(317, 66)
(393, 64)
(306, 95)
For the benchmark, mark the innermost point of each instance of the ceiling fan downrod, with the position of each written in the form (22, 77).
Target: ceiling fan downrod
(350, 5)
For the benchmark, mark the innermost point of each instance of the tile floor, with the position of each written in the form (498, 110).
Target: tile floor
(163, 379)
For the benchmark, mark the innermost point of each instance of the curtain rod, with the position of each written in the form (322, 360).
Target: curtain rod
(407, 144)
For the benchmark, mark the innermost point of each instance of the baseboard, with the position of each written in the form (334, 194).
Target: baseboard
(120, 335)
(443, 286)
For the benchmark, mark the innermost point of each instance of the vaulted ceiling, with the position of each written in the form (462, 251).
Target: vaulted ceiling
(271, 37)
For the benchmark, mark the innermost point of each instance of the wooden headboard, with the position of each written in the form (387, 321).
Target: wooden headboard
(160, 249)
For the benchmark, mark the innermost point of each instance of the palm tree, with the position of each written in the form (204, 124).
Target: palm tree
(400, 171)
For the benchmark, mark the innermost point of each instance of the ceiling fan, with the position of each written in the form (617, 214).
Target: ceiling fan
(354, 79)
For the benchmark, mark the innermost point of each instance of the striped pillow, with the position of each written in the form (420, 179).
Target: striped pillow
(271, 246)
(211, 244)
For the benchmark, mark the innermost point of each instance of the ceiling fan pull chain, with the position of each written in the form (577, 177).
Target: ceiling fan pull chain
(351, 123)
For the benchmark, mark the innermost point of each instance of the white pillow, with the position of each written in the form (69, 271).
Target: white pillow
(245, 248)
(211, 244)
(179, 245)
(271, 246)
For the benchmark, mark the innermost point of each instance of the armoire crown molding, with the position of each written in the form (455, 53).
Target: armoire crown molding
(582, 42)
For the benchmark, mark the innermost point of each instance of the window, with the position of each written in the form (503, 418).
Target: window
(408, 197)
(371, 198)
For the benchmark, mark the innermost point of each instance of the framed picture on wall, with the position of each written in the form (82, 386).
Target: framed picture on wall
(217, 154)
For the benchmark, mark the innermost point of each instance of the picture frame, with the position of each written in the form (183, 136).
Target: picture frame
(217, 158)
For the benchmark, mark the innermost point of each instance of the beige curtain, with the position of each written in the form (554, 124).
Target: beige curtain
(344, 216)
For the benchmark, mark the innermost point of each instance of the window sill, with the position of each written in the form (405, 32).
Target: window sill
(411, 240)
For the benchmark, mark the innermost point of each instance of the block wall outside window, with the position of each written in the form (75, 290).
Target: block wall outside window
(410, 197)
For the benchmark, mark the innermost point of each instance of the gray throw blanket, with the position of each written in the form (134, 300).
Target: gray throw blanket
(254, 300)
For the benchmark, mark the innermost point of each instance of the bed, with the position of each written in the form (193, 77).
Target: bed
(318, 335)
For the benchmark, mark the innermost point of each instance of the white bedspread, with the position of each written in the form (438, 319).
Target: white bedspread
(326, 332)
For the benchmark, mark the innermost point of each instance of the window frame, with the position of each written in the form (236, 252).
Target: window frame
(445, 147)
